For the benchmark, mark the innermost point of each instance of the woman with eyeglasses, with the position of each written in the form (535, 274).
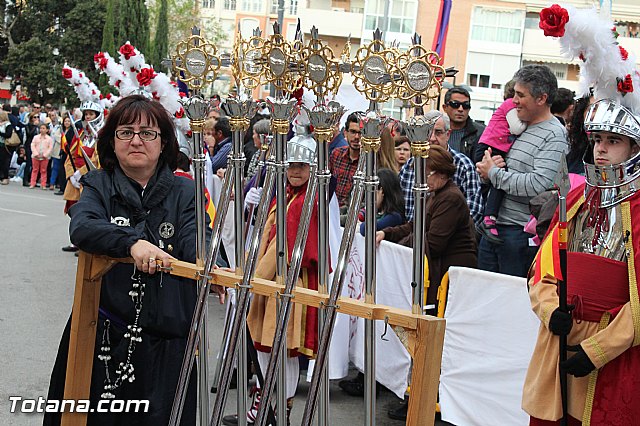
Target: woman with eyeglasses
(135, 207)
(450, 233)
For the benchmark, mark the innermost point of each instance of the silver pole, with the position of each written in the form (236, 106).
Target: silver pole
(370, 145)
(242, 298)
(419, 130)
(285, 306)
(222, 352)
(280, 125)
(240, 112)
(196, 108)
(339, 275)
(323, 118)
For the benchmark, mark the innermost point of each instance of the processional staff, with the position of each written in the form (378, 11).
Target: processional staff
(563, 186)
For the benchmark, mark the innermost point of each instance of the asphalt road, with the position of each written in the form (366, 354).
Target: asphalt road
(36, 295)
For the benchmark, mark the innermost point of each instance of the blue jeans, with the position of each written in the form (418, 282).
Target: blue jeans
(514, 257)
(55, 169)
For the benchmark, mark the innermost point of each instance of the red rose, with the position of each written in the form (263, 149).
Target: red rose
(67, 73)
(100, 60)
(145, 76)
(101, 97)
(180, 113)
(81, 75)
(127, 51)
(553, 19)
(108, 95)
(625, 86)
(118, 83)
(623, 53)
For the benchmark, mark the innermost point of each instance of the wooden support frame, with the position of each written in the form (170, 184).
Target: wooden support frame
(422, 335)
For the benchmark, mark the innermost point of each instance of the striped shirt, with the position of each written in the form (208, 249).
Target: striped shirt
(532, 163)
(466, 178)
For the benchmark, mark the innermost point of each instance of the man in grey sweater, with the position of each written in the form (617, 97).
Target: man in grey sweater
(532, 165)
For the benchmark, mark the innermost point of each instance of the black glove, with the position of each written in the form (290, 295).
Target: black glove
(561, 322)
(578, 365)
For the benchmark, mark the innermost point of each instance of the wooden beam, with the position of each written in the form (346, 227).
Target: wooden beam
(425, 375)
(84, 320)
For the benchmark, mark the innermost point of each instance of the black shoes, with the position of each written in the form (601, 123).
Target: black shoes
(58, 193)
(355, 386)
(400, 412)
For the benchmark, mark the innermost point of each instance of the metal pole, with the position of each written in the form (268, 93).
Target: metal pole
(284, 311)
(240, 112)
(339, 275)
(419, 132)
(370, 145)
(243, 296)
(281, 128)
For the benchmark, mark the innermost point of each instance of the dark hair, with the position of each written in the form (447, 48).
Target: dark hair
(577, 135)
(399, 140)
(6, 107)
(223, 125)
(182, 161)
(130, 110)
(15, 111)
(354, 117)
(393, 200)
(564, 99)
(539, 79)
(456, 89)
(440, 160)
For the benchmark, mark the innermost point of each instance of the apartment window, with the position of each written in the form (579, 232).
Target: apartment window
(560, 70)
(402, 16)
(251, 5)
(229, 5)
(497, 26)
(208, 4)
(478, 80)
(290, 7)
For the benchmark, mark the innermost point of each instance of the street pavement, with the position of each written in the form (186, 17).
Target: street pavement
(36, 295)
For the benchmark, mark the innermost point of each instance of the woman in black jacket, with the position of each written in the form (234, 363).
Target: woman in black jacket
(6, 130)
(135, 207)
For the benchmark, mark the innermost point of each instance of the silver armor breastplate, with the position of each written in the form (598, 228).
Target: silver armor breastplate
(610, 236)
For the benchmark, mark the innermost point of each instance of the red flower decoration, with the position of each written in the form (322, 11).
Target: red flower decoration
(182, 94)
(189, 133)
(582, 57)
(615, 32)
(67, 73)
(80, 75)
(99, 59)
(117, 84)
(553, 19)
(108, 95)
(127, 51)
(625, 86)
(623, 53)
(180, 113)
(145, 76)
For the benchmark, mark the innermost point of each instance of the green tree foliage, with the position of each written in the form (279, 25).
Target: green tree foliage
(44, 35)
(133, 24)
(108, 31)
(160, 47)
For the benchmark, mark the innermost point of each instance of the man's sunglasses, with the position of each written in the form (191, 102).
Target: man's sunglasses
(457, 104)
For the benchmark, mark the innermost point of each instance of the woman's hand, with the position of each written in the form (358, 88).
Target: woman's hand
(147, 255)
(379, 237)
(220, 173)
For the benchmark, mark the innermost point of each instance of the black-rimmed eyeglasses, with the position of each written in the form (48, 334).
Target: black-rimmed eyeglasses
(145, 135)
